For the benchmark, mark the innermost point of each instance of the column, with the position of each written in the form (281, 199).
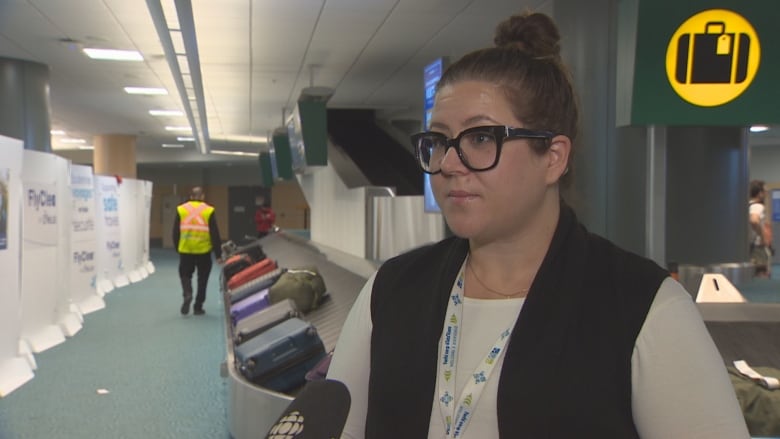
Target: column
(114, 154)
(24, 103)
(707, 195)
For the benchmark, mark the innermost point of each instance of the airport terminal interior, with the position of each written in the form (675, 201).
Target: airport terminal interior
(307, 107)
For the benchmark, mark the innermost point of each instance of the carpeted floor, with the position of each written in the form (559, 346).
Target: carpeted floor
(161, 370)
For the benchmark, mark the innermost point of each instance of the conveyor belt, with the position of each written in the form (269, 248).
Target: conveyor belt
(253, 409)
(342, 285)
(745, 331)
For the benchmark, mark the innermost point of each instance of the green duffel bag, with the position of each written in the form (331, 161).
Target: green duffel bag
(304, 285)
(761, 406)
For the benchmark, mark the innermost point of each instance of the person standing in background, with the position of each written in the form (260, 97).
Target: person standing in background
(195, 236)
(264, 217)
(760, 230)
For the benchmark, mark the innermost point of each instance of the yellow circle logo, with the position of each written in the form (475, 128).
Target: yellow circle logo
(713, 57)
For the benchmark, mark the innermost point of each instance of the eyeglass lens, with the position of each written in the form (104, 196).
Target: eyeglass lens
(477, 150)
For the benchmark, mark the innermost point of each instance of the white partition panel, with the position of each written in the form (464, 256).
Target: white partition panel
(402, 224)
(46, 314)
(128, 228)
(15, 370)
(146, 221)
(83, 285)
(338, 214)
(109, 252)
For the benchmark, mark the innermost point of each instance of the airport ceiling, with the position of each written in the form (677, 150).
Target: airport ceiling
(235, 68)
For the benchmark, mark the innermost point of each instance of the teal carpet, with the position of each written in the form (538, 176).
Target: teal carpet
(162, 370)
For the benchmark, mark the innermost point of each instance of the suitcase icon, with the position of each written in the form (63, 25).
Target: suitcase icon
(711, 58)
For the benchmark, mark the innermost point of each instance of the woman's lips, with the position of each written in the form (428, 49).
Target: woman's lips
(457, 195)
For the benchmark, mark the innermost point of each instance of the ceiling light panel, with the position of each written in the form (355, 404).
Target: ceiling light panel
(178, 128)
(172, 113)
(146, 91)
(113, 55)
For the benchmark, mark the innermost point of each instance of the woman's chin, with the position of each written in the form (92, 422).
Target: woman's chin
(461, 227)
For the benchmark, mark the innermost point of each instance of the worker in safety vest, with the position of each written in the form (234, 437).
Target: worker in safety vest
(196, 236)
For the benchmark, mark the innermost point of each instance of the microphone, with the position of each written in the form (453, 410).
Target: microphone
(318, 412)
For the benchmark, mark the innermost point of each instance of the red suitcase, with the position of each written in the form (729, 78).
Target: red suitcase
(235, 264)
(252, 272)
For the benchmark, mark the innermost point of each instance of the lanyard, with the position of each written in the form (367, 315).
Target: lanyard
(457, 413)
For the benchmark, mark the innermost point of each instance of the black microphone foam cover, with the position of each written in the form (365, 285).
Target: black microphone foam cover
(318, 412)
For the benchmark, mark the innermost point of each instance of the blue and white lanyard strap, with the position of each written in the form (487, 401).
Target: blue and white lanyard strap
(457, 413)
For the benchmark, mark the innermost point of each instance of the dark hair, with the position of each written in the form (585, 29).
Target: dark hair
(526, 64)
(196, 193)
(756, 187)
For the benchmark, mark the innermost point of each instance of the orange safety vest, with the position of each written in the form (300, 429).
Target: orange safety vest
(194, 227)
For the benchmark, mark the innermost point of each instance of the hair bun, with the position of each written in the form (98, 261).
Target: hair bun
(533, 33)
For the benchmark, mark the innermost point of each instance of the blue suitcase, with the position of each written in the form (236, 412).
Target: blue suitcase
(279, 358)
(248, 306)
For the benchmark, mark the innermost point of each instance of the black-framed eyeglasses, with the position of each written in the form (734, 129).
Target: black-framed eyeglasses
(479, 148)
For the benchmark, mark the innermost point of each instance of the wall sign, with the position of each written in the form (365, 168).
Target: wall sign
(699, 63)
(713, 57)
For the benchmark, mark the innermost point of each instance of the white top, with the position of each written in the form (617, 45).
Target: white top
(760, 210)
(680, 387)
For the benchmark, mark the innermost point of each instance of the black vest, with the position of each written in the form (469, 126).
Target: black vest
(567, 368)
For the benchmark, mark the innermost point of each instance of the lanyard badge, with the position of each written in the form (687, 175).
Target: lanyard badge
(457, 412)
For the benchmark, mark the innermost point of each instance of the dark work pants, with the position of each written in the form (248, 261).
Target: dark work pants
(187, 265)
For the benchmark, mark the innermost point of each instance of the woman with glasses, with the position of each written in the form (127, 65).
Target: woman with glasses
(523, 325)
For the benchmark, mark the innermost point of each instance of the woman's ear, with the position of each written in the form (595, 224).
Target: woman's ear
(558, 158)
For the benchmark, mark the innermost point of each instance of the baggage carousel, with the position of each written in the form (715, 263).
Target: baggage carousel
(252, 410)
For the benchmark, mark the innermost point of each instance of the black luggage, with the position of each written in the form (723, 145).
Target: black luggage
(258, 322)
(254, 250)
(279, 358)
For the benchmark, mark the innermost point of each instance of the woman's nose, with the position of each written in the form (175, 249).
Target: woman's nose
(451, 162)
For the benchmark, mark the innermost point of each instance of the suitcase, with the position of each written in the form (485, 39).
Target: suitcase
(254, 250)
(279, 358)
(235, 264)
(264, 319)
(248, 306)
(252, 272)
(254, 285)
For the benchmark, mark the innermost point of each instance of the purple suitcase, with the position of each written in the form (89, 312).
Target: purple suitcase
(249, 305)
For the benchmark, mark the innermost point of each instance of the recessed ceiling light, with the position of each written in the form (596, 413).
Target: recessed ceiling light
(172, 145)
(238, 153)
(86, 147)
(185, 139)
(178, 128)
(57, 132)
(146, 91)
(113, 55)
(241, 138)
(166, 112)
(74, 141)
(759, 128)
